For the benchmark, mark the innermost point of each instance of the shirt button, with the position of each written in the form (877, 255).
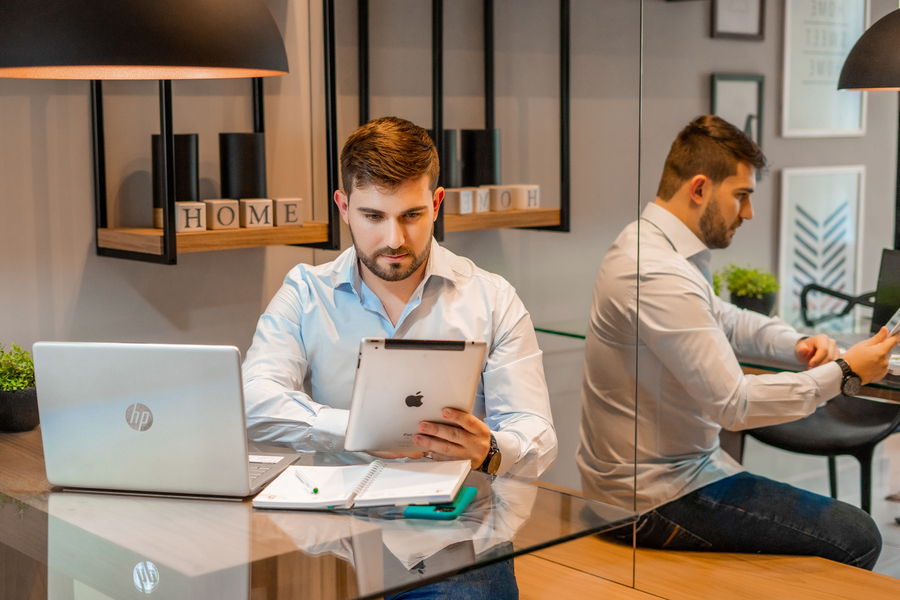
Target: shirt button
(330, 445)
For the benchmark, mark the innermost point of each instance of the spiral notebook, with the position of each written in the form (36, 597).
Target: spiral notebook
(356, 486)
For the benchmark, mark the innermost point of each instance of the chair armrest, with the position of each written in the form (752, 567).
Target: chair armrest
(867, 299)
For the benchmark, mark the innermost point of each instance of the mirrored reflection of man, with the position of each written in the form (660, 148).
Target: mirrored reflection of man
(658, 330)
(397, 282)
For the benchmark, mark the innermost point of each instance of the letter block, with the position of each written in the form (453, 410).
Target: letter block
(458, 201)
(526, 196)
(483, 199)
(222, 214)
(501, 197)
(256, 212)
(190, 216)
(288, 212)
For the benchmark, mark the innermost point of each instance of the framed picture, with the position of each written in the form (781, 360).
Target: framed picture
(738, 99)
(739, 19)
(821, 229)
(818, 36)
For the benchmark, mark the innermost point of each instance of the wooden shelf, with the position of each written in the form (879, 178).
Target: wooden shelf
(151, 240)
(534, 217)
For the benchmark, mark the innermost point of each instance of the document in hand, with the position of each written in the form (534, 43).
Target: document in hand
(376, 484)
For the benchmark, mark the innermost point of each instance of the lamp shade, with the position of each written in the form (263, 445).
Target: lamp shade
(874, 61)
(139, 39)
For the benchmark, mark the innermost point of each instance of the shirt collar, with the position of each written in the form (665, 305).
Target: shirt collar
(679, 235)
(345, 269)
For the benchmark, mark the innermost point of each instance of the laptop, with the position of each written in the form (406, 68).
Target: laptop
(148, 418)
(400, 383)
(887, 299)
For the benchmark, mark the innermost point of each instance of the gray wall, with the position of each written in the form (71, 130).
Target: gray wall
(53, 286)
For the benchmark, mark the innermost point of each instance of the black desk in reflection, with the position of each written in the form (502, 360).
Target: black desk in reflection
(70, 545)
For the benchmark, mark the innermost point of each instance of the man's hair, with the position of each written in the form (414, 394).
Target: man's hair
(707, 146)
(385, 153)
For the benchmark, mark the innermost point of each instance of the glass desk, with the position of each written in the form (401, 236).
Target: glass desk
(70, 545)
(887, 389)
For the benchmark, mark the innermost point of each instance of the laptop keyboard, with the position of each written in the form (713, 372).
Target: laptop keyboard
(258, 469)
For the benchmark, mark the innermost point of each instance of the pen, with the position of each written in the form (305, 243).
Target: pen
(309, 486)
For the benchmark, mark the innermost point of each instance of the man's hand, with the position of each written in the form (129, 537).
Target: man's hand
(816, 350)
(468, 437)
(869, 358)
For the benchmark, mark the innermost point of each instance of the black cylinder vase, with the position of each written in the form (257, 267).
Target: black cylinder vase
(242, 165)
(187, 173)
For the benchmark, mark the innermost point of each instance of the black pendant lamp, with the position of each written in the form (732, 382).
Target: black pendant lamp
(139, 39)
(873, 65)
(874, 62)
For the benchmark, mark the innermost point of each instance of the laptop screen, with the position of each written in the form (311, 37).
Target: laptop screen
(887, 293)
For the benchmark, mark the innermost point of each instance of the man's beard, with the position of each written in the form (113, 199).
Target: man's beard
(713, 227)
(393, 271)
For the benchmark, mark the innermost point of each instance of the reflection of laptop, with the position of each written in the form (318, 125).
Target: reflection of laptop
(402, 382)
(110, 546)
(147, 418)
(887, 299)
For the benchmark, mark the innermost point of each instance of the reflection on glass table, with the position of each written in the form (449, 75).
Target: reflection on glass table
(81, 545)
(885, 389)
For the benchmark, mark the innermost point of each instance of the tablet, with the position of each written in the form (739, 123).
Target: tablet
(400, 383)
(894, 324)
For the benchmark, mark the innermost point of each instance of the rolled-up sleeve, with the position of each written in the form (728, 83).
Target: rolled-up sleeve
(516, 400)
(274, 373)
(678, 326)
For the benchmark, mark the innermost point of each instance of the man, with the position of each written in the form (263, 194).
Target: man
(397, 282)
(658, 330)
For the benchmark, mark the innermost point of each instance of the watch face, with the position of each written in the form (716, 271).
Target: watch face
(494, 464)
(851, 386)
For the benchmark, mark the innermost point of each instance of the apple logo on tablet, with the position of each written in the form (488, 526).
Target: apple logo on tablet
(415, 400)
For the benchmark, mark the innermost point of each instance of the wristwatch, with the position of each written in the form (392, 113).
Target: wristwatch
(491, 462)
(851, 383)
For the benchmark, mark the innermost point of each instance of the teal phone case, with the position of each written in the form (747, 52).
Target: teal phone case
(442, 512)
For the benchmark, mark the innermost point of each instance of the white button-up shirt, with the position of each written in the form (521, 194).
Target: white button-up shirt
(661, 338)
(299, 371)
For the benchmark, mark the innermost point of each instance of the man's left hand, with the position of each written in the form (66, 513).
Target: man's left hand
(816, 350)
(467, 438)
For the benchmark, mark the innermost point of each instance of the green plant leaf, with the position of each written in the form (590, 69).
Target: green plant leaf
(16, 369)
(748, 281)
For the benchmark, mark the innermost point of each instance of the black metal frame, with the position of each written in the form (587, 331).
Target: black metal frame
(170, 249)
(437, 90)
(867, 299)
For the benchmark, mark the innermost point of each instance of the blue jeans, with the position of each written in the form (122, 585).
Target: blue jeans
(496, 582)
(748, 513)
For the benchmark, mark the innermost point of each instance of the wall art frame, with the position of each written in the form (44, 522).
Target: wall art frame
(817, 38)
(739, 19)
(821, 220)
(739, 99)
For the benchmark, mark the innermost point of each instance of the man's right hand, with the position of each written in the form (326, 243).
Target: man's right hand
(869, 358)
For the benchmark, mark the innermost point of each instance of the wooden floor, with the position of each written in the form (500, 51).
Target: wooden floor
(593, 568)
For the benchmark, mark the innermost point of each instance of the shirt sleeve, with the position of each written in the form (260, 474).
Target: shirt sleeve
(274, 371)
(753, 334)
(677, 323)
(516, 400)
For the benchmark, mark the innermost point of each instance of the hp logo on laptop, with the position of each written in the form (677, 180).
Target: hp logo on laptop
(146, 577)
(139, 417)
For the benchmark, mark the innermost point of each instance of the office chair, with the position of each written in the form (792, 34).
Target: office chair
(846, 425)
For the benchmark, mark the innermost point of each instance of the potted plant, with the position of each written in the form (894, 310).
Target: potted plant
(18, 398)
(753, 289)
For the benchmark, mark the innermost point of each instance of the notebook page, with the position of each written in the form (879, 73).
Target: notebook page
(334, 483)
(416, 482)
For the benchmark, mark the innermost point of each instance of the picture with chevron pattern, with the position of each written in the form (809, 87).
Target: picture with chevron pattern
(820, 217)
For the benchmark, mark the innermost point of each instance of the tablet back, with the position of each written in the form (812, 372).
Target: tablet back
(400, 383)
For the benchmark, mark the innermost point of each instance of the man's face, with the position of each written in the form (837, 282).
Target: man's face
(728, 207)
(392, 231)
